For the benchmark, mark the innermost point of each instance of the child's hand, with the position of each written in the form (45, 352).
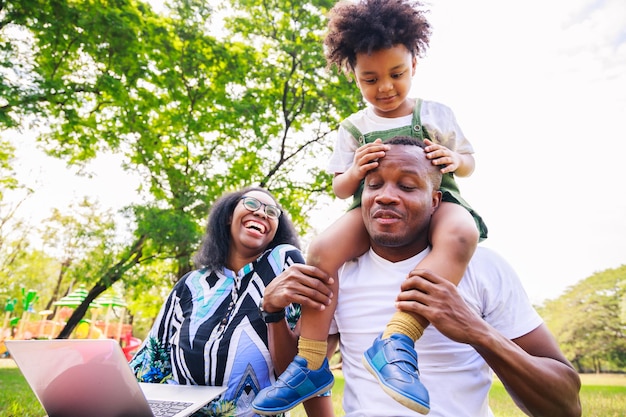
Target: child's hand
(366, 157)
(440, 155)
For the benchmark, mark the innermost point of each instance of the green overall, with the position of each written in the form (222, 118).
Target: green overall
(449, 188)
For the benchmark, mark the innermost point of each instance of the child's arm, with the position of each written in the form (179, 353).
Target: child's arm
(366, 158)
(462, 164)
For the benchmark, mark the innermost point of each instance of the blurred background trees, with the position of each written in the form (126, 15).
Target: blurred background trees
(589, 321)
(194, 99)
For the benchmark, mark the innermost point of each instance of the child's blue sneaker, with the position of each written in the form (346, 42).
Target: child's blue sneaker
(295, 385)
(393, 362)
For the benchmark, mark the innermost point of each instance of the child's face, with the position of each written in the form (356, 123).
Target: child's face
(384, 78)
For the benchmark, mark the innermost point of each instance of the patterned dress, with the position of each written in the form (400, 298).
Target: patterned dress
(210, 332)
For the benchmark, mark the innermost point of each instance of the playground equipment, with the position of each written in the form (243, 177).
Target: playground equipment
(73, 300)
(28, 300)
(8, 311)
(105, 319)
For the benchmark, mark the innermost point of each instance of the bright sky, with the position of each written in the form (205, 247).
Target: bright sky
(539, 88)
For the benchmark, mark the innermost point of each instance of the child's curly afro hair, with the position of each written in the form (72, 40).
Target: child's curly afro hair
(366, 26)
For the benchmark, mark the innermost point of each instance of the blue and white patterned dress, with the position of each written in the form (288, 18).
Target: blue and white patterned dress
(209, 332)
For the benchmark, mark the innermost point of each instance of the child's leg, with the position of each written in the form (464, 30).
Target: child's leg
(309, 374)
(344, 240)
(453, 237)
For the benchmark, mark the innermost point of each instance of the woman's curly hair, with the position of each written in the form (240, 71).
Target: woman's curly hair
(367, 26)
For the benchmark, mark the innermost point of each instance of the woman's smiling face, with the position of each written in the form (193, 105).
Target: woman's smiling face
(252, 231)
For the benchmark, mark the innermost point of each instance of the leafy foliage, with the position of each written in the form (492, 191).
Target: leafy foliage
(588, 321)
(195, 106)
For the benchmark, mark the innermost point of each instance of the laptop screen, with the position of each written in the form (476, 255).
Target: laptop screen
(80, 378)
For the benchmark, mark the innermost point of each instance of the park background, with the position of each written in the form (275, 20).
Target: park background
(153, 114)
(540, 90)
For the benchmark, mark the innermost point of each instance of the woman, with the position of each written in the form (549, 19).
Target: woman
(231, 322)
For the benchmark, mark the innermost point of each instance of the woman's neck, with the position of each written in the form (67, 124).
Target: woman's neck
(236, 261)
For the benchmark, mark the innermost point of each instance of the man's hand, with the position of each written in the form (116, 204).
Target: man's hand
(519, 363)
(302, 284)
(438, 300)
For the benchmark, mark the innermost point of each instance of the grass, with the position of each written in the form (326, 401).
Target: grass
(602, 395)
(16, 397)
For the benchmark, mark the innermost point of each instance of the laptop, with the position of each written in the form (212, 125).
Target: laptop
(91, 377)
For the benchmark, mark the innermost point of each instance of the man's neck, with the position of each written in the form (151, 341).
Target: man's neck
(398, 254)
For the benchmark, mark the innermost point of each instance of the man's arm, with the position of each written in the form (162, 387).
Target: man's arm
(534, 371)
(532, 367)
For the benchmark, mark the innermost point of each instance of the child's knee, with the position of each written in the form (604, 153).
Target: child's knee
(459, 238)
(468, 234)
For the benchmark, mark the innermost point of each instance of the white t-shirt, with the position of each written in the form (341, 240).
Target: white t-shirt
(438, 120)
(456, 376)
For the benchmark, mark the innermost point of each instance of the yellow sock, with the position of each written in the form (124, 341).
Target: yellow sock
(404, 323)
(314, 351)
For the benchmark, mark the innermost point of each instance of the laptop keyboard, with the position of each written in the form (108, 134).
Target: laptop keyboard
(167, 408)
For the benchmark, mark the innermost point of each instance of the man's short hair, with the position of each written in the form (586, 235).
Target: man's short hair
(405, 140)
(435, 174)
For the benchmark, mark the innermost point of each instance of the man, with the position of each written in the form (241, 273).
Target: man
(486, 323)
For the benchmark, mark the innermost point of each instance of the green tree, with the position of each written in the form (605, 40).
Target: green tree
(145, 288)
(194, 111)
(74, 237)
(31, 271)
(588, 323)
(20, 266)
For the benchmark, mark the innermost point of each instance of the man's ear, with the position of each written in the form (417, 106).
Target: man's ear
(436, 200)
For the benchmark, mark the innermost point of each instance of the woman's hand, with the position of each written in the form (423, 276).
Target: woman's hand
(302, 284)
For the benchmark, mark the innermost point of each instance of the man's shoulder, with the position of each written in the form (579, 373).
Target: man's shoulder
(489, 267)
(482, 251)
(484, 254)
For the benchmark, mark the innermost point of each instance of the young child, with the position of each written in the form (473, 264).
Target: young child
(378, 43)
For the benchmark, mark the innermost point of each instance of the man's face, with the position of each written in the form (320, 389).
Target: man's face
(398, 201)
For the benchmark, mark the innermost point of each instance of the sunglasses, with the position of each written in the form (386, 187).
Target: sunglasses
(252, 204)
